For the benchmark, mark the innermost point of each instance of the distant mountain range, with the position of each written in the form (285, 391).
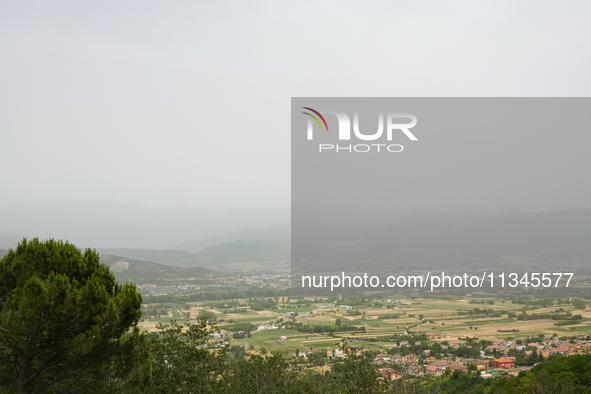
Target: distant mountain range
(166, 257)
(262, 244)
(323, 236)
(246, 251)
(111, 224)
(136, 271)
(8, 240)
(427, 240)
(231, 248)
(236, 251)
(276, 232)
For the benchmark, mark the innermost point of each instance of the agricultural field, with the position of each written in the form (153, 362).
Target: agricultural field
(370, 324)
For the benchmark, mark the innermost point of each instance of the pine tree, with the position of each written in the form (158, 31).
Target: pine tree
(66, 324)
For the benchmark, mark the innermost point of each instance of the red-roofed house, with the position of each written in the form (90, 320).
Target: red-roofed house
(389, 373)
(504, 363)
(432, 369)
(458, 368)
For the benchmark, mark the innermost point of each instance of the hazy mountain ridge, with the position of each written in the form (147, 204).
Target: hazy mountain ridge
(228, 252)
(166, 257)
(244, 251)
(280, 231)
(447, 242)
(136, 271)
(415, 239)
(8, 241)
(111, 224)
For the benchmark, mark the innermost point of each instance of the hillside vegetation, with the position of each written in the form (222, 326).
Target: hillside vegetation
(136, 271)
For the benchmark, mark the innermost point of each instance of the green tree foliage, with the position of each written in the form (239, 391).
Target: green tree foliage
(181, 361)
(560, 375)
(533, 357)
(355, 375)
(66, 325)
(579, 303)
(457, 382)
(263, 373)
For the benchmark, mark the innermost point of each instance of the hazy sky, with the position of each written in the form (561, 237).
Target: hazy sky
(159, 102)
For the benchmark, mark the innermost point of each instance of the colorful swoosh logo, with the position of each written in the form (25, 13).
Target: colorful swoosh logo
(315, 118)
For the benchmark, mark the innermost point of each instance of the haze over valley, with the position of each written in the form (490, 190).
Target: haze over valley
(147, 244)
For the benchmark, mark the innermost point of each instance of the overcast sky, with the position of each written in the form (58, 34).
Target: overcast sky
(158, 102)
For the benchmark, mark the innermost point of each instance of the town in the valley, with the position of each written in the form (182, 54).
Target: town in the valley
(403, 337)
